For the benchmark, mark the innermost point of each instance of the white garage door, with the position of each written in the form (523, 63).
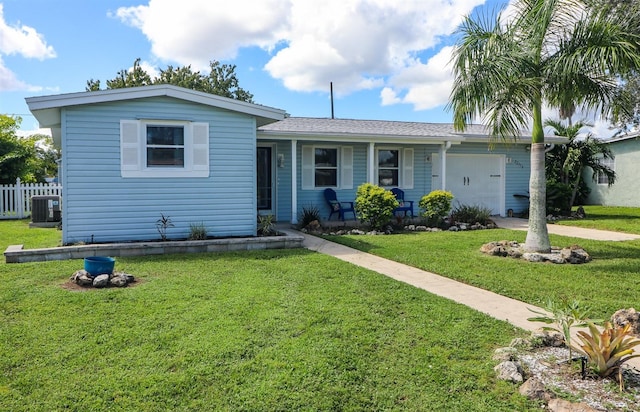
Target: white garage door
(473, 180)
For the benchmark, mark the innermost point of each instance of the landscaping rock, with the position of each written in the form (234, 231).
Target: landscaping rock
(533, 389)
(505, 354)
(101, 281)
(560, 405)
(575, 255)
(548, 338)
(532, 257)
(82, 278)
(520, 343)
(118, 281)
(627, 316)
(510, 371)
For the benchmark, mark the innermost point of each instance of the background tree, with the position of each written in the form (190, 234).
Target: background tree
(558, 52)
(221, 80)
(27, 158)
(625, 116)
(565, 164)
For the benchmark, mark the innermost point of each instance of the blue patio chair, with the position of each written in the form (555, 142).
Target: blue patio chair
(336, 206)
(404, 205)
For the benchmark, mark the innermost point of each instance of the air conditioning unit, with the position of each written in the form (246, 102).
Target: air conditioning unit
(45, 209)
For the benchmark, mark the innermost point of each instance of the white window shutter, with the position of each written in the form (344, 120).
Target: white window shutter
(130, 147)
(200, 148)
(346, 167)
(307, 167)
(407, 169)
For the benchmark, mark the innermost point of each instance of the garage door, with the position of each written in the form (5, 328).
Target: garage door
(473, 180)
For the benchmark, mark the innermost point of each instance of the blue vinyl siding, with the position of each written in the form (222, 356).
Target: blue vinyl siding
(421, 176)
(516, 181)
(101, 206)
(283, 183)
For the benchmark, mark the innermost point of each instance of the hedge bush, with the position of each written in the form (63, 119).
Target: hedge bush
(374, 205)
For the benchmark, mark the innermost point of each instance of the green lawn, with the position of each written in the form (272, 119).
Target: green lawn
(264, 330)
(18, 232)
(280, 330)
(608, 283)
(617, 219)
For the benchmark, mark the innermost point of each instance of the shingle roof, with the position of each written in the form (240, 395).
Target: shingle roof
(316, 127)
(365, 127)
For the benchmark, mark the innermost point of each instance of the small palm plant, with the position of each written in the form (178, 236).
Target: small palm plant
(163, 224)
(565, 315)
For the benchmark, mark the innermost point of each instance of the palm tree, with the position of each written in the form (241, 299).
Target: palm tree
(566, 163)
(555, 52)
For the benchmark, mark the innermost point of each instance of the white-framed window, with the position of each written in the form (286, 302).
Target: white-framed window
(327, 166)
(610, 163)
(389, 167)
(394, 167)
(164, 148)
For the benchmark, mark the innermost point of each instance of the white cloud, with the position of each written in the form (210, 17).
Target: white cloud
(425, 85)
(196, 32)
(356, 44)
(22, 40)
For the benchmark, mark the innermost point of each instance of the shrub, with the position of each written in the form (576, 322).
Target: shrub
(308, 215)
(197, 231)
(374, 205)
(266, 225)
(435, 206)
(558, 198)
(471, 214)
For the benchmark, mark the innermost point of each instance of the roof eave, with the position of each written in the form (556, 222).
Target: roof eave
(48, 108)
(356, 138)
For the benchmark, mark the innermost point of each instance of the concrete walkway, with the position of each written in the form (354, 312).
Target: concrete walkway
(490, 303)
(571, 231)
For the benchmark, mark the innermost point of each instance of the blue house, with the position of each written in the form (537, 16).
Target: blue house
(130, 155)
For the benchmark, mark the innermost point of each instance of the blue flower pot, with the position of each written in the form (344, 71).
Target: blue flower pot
(99, 265)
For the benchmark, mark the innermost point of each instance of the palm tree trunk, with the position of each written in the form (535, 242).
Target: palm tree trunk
(574, 192)
(537, 235)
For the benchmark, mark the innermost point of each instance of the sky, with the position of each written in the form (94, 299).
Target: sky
(387, 59)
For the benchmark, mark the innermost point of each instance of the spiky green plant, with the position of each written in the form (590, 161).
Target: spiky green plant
(606, 351)
(565, 315)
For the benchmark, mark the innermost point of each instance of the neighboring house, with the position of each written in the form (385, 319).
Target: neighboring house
(626, 189)
(130, 155)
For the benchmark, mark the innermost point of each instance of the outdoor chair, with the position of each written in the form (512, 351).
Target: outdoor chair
(336, 206)
(403, 204)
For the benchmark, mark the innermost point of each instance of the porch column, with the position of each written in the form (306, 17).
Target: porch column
(294, 183)
(443, 164)
(371, 164)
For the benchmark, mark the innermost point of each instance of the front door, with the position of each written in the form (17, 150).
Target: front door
(264, 173)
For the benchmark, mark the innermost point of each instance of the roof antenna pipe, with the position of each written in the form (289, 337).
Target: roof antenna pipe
(331, 87)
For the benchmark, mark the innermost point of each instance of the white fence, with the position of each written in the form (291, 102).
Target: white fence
(15, 200)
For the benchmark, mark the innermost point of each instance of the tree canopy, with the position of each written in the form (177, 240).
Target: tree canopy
(31, 159)
(221, 80)
(566, 163)
(562, 53)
